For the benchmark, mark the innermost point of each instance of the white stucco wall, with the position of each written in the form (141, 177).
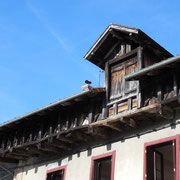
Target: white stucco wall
(128, 160)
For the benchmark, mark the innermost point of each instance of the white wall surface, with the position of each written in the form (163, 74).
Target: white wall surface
(128, 160)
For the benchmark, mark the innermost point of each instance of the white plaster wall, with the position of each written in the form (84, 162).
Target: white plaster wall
(128, 160)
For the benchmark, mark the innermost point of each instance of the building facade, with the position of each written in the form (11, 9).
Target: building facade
(127, 130)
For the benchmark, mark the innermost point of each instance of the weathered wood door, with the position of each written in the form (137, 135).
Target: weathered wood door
(120, 88)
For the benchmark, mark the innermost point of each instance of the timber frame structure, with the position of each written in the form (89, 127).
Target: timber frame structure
(142, 87)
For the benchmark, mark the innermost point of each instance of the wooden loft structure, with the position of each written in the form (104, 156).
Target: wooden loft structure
(142, 87)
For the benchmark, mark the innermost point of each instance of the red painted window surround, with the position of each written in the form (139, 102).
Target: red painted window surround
(57, 169)
(112, 154)
(176, 139)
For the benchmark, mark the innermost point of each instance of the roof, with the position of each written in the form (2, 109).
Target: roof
(81, 96)
(155, 67)
(106, 41)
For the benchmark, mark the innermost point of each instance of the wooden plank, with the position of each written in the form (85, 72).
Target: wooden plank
(115, 107)
(112, 126)
(175, 84)
(122, 107)
(8, 160)
(150, 109)
(107, 80)
(112, 61)
(97, 131)
(129, 104)
(60, 145)
(111, 50)
(140, 58)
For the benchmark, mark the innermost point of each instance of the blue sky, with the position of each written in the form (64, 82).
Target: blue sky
(42, 44)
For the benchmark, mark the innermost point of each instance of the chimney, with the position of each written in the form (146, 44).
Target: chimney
(86, 87)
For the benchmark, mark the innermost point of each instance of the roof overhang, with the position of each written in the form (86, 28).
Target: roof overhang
(107, 40)
(81, 96)
(155, 67)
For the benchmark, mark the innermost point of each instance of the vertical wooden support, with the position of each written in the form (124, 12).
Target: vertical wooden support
(140, 66)
(140, 57)
(90, 115)
(67, 121)
(50, 139)
(129, 103)
(128, 47)
(30, 136)
(40, 134)
(107, 79)
(104, 109)
(23, 136)
(139, 95)
(123, 48)
(115, 108)
(59, 125)
(159, 91)
(3, 144)
(175, 84)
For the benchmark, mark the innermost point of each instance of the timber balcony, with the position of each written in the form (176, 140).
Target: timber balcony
(142, 90)
(82, 121)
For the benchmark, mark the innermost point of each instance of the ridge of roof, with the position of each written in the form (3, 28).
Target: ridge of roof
(126, 29)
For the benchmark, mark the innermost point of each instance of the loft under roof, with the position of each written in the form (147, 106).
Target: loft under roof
(114, 33)
(66, 102)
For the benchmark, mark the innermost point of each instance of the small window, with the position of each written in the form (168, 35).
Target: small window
(56, 174)
(102, 167)
(161, 159)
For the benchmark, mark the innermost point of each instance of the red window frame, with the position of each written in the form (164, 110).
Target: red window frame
(112, 154)
(57, 169)
(177, 148)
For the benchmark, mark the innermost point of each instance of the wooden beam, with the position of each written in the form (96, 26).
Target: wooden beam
(112, 61)
(79, 136)
(111, 50)
(49, 148)
(35, 150)
(107, 80)
(150, 109)
(97, 131)
(112, 126)
(65, 139)
(13, 156)
(8, 160)
(60, 145)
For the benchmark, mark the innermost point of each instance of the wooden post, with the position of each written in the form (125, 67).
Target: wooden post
(90, 115)
(107, 79)
(129, 103)
(175, 84)
(159, 91)
(140, 57)
(115, 108)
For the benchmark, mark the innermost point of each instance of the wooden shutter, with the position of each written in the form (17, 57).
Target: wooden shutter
(130, 68)
(117, 82)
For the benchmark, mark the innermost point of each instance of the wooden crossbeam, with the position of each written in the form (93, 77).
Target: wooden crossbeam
(129, 114)
(112, 126)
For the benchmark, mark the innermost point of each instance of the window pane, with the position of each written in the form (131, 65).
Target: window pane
(58, 175)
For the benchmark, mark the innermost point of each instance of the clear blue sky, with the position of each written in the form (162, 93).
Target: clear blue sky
(42, 44)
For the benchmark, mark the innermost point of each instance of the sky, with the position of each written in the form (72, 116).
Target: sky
(42, 44)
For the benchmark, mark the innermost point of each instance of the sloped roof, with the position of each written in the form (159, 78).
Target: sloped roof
(107, 40)
(81, 96)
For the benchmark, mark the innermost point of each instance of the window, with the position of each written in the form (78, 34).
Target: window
(161, 159)
(102, 167)
(56, 174)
